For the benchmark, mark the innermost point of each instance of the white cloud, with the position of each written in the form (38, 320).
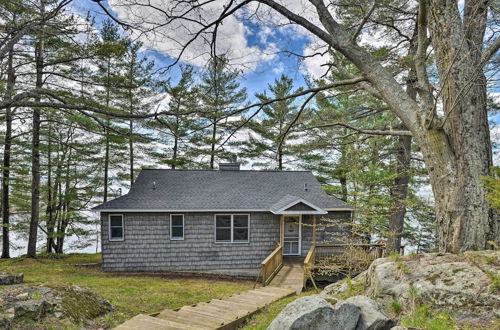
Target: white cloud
(279, 68)
(170, 39)
(314, 64)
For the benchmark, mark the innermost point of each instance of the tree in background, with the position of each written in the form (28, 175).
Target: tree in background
(111, 50)
(269, 135)
(220, 96)
(182, 130)
(137, 95)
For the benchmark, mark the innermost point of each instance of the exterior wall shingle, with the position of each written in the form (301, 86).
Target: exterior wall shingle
(147, 245)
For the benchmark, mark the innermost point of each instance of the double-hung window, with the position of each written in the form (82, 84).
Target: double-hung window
(177, 227)
(232, 228)
(116, 232)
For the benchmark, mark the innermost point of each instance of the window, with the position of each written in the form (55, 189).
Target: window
(231, 228)
(177, 227)
(116, 227)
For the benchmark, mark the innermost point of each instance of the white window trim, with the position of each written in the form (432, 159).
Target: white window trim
(183, 226)
(109, 228)
(232, 241)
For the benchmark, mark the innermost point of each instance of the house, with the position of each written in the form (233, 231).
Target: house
(224, 220)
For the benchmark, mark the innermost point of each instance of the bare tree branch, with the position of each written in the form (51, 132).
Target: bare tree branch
(364, 131)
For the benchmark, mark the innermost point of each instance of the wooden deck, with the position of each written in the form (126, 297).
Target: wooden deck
(226, 313)
(290, 276)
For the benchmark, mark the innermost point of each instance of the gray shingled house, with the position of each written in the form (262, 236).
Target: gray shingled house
(225, 220)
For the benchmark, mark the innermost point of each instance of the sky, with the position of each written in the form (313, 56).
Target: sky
(260, 56)
(256, 48)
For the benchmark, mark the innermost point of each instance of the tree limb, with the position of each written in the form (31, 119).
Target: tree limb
(490, 51)
(364, 131)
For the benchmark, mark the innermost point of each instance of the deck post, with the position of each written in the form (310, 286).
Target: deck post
(282, 229)
(314, 230)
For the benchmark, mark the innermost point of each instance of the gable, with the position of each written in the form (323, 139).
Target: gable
(300, 207)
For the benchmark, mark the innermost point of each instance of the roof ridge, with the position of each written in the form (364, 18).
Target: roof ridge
(216, 170)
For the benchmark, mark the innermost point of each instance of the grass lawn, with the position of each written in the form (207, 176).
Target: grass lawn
(130, 295)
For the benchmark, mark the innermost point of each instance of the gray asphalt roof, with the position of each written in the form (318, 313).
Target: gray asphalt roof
(214, 190)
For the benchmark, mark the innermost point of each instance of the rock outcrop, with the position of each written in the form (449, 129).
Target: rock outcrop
(372, 315)
(466, 285)
(9, 279)
(19, 303)
(316, 313)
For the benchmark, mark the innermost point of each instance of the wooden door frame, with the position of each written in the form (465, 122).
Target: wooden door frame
(282, 233)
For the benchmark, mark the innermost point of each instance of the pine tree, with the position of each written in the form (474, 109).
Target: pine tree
(136, 96)
(111, 50)
(220, 95)
(267, 143)
(181, 130)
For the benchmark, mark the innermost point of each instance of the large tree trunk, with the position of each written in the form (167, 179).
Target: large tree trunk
(49, 211)
(399, 193)
(11, 78)
(458, 152)
(35, 152)
(465, 220)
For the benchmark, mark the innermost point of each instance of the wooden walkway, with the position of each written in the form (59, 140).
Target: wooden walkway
(290, 276)
(226, 313)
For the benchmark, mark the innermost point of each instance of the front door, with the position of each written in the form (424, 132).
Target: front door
(291, 235)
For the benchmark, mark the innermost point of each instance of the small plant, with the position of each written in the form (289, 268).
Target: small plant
(396, 307)
(490, 260)
(495, 281)
(36, 295)
(353, 288)
(424, 318)
(403, 267)
(493, 245)
(395, 256)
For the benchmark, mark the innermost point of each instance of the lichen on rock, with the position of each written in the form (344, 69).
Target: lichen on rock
(466, 285)
(21, 303)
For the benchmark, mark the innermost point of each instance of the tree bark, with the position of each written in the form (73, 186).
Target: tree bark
(35, 150)
(11, 78)
(106, 133)
(212, 144)
(465, 220)
(49, 211)
(456, 148)
(399, 191)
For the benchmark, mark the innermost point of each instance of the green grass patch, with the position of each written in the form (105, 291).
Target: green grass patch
(396, 307)
(424, 318)
(130, 295)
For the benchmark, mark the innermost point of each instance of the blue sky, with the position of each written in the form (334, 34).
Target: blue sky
(264, 73)
(255, 80)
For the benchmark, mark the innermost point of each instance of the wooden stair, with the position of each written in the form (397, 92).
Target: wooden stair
(290, 276)
(226, 313)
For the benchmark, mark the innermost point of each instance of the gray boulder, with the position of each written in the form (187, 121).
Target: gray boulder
(314, 312)
(32, 309)
(372, 316)
(8, 279)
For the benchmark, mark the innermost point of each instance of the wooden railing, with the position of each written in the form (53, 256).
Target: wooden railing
(309, 262)
(271, 265)
(346, 259)
(373, 251)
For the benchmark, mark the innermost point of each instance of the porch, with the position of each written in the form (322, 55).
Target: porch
(288, 267)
